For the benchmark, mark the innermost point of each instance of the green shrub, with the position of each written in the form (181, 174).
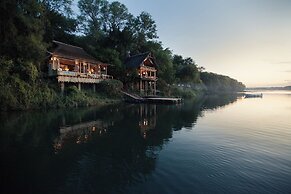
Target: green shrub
(110, 88)
(184, 93)
(74, 97)
(175, 91)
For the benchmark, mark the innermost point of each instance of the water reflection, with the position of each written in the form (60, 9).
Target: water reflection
(219, 101)
(90, 150)
(148, 117)
(80, 133)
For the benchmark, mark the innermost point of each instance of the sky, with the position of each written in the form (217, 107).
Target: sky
(249, 40)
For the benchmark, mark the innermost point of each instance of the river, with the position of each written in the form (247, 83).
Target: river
(221, 144)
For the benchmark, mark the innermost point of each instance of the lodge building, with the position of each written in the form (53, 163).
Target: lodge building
(71, 64)
(145, 66)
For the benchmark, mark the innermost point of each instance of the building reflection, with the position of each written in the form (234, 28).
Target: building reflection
(79, 133)
(147, 117)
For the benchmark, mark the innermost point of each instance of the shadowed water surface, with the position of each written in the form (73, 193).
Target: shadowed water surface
(221, 144)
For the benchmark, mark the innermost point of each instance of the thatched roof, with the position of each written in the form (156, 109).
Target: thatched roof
(137, 60)
(72, 52)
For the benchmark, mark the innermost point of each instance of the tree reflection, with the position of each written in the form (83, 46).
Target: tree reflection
(218, 101)
(104, 150)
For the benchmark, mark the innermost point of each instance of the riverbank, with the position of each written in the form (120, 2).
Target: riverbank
(51, 98)
(44, 94)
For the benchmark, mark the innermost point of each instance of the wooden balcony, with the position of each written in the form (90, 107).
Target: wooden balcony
(147, 73)
(146, 77)
(76, 77)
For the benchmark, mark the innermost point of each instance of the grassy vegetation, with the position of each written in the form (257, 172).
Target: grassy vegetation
(35, 93)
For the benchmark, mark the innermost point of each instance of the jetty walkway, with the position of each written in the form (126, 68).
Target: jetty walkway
(151, 99)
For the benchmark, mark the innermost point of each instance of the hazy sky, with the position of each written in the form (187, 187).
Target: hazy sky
(249, 40)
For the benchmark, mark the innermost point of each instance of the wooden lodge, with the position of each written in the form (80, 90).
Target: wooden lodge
(71, 64)
(146, 78)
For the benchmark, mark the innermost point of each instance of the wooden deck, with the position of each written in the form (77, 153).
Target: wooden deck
(74, 77)
(164, 100)
(159, 100)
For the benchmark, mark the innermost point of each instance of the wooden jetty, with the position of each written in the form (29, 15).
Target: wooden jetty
(151, 99)
(254, 95)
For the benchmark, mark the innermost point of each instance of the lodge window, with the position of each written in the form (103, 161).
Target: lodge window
(67, 67)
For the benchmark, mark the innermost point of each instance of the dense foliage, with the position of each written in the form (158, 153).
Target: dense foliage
(104, 29)
(110, 88)
(220, 83)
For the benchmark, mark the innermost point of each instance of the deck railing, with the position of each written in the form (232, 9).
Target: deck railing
(83, 75)
(148, 77)
(76, 77)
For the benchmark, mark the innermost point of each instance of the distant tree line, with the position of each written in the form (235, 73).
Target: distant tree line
(270, 88)
(220, 83)
(104, 29)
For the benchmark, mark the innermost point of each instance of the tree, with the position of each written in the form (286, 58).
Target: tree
(165, 65)
(188, 73)
(60, 6)
(186, 69)
(146, 27)
(117, 17)
(93, 14)
(59, 27)
(119, 36)
(21, 30)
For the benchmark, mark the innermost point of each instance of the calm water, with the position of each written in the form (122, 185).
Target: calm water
(218, 145)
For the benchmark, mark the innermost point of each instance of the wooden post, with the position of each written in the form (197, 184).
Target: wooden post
(146, 83)
(79, 86)
(62, 87)
(140, 86)
(94, 88)
(146, 111)
(136, 87)
(59, 65)
(155, 88)
(63, 120)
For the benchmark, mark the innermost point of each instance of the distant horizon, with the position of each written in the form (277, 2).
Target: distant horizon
(268, 86)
